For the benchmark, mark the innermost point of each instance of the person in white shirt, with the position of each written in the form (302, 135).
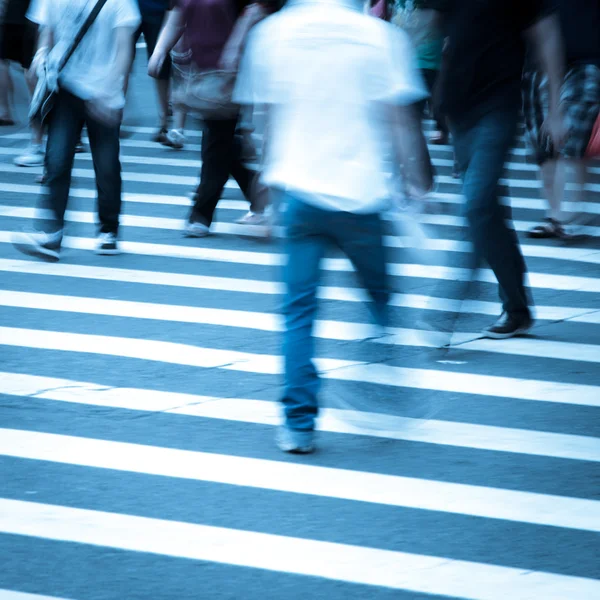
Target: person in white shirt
(90, 92)
(340, 90)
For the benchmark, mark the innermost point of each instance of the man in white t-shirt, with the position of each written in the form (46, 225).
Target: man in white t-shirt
(340, 89)
(90, 92)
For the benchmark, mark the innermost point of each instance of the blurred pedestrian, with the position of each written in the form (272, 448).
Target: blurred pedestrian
(18, 38)
(481, 95)
(90, 91)
(340, 90)
(580, 105)
(214, 31)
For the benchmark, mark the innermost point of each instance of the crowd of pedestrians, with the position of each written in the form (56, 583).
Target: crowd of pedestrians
(336, 89)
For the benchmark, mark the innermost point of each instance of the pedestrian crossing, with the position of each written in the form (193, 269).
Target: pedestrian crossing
(138, 397)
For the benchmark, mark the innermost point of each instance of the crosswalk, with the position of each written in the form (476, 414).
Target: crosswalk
(138, 401)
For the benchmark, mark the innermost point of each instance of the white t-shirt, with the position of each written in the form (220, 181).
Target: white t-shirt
(325, 70)
(90, 72)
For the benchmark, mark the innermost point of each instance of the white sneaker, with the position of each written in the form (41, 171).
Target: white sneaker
(258, 223)
(175, 139)
(107, 244)
(39, 243)
(196, 230)
(32, 157)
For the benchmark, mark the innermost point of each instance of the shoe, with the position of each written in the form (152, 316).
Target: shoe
(32, 157)
(252, 218)
(509, 325)
(295, 442)
(175, 139)
(38, 243)
(107, 244)
(196, 229)
(161, 136)
(439, 139)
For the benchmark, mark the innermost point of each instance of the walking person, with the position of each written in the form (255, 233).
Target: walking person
(207, 27)
(90, 92)
(329, 131)
(580, 104)
(18, 39)
(480, 94)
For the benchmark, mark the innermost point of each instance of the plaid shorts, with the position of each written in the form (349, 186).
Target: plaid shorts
(580, 100)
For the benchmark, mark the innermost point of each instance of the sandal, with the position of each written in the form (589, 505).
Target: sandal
(550, 228)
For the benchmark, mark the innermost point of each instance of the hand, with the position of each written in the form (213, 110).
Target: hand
(100, 110)
(156, 63)
(554, 126)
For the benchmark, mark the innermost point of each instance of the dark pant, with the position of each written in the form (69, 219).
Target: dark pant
(309, 232)
(64, 131)
(431, 77)
(481, 150)
(221, 156)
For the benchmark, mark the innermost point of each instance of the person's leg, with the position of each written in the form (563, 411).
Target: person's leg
(482, 150)
(5, 85)
(217, 143)
(305, 245)
(361, 238)
(104, 146)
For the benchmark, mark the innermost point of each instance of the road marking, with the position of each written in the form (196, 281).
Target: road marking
(254, 286)
(271, 322)
(267, 259)
(335, 369)
(431, 244)
(341, 484)
(340, 562)
(262, 412)
(12, 595)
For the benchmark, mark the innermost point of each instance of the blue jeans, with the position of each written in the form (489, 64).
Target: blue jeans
(481, 150)
(64, 130)
(309, 232)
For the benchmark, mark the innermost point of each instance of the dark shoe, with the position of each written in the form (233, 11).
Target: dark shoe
(295, 442)
(161, 136)
(39, 244)
(107, 244)
(509, 325)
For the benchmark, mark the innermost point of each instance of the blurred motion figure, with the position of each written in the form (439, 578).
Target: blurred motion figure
(340, 90)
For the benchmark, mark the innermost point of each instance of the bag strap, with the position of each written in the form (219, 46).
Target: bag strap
(81, 33)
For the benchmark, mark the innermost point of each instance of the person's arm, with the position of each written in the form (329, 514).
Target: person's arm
(169, 36)
(546, 37)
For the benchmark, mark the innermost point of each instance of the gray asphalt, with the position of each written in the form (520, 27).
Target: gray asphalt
(34, 563)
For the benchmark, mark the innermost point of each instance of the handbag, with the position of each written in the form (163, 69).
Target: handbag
(44, 96)
(593, 149)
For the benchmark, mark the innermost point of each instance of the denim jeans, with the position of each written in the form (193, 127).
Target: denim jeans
(309, 232)
(481, 150)
(64, 130)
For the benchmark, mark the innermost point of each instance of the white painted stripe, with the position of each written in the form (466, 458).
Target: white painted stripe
(183, 200)
(253, 286)
(12, 595)
(342, 484)
(270, 322)
(433, 244)
(340, 562)
(536, 280)
(445, 433)
(267, 364)
(189, 181)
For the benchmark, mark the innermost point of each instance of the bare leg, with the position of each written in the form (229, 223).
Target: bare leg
(553, 179)
(37, 134)
(162, 89)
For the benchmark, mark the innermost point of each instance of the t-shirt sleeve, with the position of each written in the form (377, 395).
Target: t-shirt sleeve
(39, 13)
(128, 14)
(394, 78)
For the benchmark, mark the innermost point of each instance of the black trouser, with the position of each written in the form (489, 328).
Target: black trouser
(221, 157)
(65, 123)
(431, 76)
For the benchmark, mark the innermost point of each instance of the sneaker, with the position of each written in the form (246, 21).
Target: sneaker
(509, 325)
(32, 157)
(295, 442)
(107, 244)
(196, 229)
(161, 136)
(252, 218)
(175, 139)
(38, 243)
